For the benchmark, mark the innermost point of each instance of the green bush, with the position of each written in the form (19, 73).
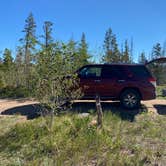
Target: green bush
(14, 92)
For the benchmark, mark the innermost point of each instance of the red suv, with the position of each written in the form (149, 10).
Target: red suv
(128, 83)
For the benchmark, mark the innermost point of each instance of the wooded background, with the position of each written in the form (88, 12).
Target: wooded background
(41, 56)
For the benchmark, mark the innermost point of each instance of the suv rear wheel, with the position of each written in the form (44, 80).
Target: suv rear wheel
(130, 99)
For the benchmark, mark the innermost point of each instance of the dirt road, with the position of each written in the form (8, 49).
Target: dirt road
(6, 104)
(156, 106)
(24, 107)
(28, 108)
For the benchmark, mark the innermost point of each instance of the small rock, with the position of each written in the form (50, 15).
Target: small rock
(93, 122)
(83, 115)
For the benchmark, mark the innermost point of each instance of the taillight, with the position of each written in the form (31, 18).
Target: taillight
(152, 81)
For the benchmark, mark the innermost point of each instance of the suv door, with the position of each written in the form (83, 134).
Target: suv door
(113, 80)
(90, 77)
(108, 84)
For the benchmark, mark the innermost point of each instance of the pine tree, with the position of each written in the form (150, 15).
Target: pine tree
(111, 51)
(29, 42)
(156, 51)
(115, 50)
(48, 39)
(126, 54)
(107, 46)
(19, 67)
(47, 54)
(7, 59)
(83, 51)
(72, 55)
(157, 69)
(142, 58)
(107, 40)
(19, 56)
(131, 50)
(8, 67)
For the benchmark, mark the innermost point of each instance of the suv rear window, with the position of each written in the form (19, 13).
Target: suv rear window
(139, 71)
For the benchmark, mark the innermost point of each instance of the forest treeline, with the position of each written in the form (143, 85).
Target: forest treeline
(43, 58)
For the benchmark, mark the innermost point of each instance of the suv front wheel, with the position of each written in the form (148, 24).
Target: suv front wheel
(130, 99)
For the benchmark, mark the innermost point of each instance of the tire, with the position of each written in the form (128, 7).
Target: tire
(130, 99)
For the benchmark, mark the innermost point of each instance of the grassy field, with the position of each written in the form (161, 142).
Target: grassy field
(75, 141)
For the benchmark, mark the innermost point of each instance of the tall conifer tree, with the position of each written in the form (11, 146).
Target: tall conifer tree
(111, 50)
(142, 58)
(126, 54)
(83, 51)
(156, 68)
(48, 39)
(29, 42)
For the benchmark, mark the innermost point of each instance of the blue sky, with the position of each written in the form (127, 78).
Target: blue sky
(142, 20)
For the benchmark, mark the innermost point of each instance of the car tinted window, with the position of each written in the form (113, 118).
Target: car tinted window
(113, 71)
(139, 71)
(108, 72)
(90, 72)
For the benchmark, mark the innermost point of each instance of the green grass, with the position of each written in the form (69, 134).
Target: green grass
(74, 141)
(7, 122)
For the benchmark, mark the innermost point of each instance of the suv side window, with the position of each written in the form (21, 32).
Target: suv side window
(108, 72)
(90, 72)
(113, 71)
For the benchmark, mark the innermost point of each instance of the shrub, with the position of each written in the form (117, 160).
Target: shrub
(14, 92)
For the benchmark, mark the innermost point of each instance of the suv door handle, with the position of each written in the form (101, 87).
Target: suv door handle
(97, 80)
(121, 80)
